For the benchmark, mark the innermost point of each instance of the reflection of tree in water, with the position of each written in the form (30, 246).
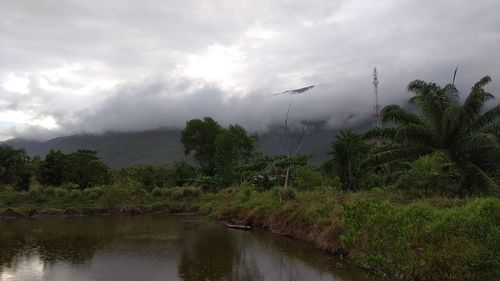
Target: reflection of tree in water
(74, 241)
(211, 258)
(291, 249)
(74, 249)
(247, 268)
(11, 244)
(218, 256)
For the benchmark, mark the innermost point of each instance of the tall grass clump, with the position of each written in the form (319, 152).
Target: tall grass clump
(418, 242)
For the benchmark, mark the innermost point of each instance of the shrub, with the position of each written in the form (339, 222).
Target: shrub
(34, 191)
(284, 193)
(60, 191)
(165, 192)
(7, 188)
(156, 192)
(51, 211)
(191, 192)
(113, 196)
(244, 191)
(93, 192)
(70, 186)
(210, 183)
(418, 242)
(306, 178)
(177, 193)
(430, 175)
(75, 193)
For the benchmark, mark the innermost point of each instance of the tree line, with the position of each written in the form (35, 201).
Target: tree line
(436, 145)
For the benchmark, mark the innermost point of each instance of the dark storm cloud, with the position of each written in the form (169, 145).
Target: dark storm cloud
(170, 102)
(94, 66)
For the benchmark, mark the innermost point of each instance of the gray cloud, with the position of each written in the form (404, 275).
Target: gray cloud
(96, 66)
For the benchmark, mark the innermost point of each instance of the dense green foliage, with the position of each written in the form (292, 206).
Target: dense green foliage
(221, 153)
(234, 148)
(464, 133)
(14, 167)
(199, 137)
(82, 168)
(417, 242)
(349, 152)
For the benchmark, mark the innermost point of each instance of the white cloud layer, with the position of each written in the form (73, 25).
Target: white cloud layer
(93, 66)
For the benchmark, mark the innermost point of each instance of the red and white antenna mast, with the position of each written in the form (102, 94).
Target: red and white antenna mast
(376, 107)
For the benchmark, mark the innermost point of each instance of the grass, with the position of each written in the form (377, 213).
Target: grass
(97, 200)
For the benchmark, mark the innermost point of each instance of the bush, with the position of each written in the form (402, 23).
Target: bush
(113, 196)
(51, 211)
(93, 192)
(244, 191)
(60, 192)
(177, 193)
(210, 183)
(73, 194)
(306, 178)
(156, 192)
(7, 189)
(284, 193)
(191, 192)
(70, 186)
(165, 192)
(34, 191)
(431, 175)
(420, 242)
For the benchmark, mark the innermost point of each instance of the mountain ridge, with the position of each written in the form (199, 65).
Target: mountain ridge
(163, 146)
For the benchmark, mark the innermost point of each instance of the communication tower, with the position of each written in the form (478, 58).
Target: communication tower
(376, 107)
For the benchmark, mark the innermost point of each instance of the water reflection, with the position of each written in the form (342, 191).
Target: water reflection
(154, 248)
(199, 262)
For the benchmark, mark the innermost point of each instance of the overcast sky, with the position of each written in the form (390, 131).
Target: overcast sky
(92, 66)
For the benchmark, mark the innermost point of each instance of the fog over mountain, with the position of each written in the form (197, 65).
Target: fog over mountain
(69, 67)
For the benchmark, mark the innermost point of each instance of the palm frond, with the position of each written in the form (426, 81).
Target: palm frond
(394, 113)
(384, 133)
(477, 143)
(415, 135)
(477, 98)
(398, 154)
(482, 180)
(399, 165)
(451, 93)
(482, 82)
(485, 120)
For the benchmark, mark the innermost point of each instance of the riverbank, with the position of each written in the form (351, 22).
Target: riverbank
(432, 239)
(105, 200)
(381, 230)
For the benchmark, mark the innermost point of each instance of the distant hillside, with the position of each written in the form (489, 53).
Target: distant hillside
(119, 149)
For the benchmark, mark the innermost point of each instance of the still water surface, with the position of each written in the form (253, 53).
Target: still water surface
(156, 248)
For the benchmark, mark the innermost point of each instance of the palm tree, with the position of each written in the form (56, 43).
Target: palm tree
(467, 134)
(348, 150)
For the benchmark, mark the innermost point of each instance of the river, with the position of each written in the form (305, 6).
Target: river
(157, 247)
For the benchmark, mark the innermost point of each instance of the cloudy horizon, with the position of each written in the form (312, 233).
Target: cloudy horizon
(69, 67)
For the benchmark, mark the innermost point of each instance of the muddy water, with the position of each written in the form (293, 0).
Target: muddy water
(156, 248)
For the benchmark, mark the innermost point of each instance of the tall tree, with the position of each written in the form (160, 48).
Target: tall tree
(54, 168)
(234, 148)
(86, 169)
(199, 138)
(349, 151)
(14, 167)
(465, 132)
